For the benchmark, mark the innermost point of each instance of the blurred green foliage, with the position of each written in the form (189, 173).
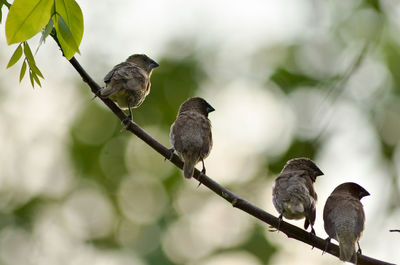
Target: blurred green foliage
(298, 148)
(259, 246)
(289, 81)
(374, 4)
(171, 84)
(95, 141)
(88, 138)
(98, 148)
(392, 54)
(96, 129)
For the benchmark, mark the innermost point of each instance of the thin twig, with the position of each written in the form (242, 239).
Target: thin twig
(394, 230)
(336, 89)
(237, 202)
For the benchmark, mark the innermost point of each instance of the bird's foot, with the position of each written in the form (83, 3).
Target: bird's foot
(327, 241)
(202, 172)
(272, 229)
(171, 155)
(359, 248)
(126, 122)
(200, 176)
(97, 94)
(279, 222)
(312, 233)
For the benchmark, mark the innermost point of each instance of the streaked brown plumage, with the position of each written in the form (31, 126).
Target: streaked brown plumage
(190, 134)
(293, 194)
(344, 217)
(128, 83)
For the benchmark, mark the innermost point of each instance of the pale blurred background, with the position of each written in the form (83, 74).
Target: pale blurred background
(76, 190)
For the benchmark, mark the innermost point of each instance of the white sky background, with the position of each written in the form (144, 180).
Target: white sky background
(36, 122)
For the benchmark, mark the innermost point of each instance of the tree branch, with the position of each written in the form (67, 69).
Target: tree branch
(237, 202)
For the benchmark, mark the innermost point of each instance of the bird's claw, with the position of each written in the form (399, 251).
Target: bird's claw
(312, 232)
(327, 240)
(272, 229)
(97, 94)
(126, 122)
(359, 248)
(171, 150)
(279, 223)
(202, 172)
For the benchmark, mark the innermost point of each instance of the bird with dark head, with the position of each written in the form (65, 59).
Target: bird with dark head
(190, 134)
(293, 194)
(128, 83)
(344, 218)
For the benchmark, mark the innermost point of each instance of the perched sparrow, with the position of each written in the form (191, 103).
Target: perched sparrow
(128, 83)
(190, 134)
(293, 193)
(344, 218)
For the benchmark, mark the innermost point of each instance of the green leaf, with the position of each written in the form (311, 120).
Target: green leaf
(26, 18)
(31, 78)
(5, 3)
(15, 57)
(35, 69)
(36, 79)
(288, 80)
(47, 30)
(65, 36)
(22, 73)
(28, 53)
(70, 27)
(31, 60)
(1, 14)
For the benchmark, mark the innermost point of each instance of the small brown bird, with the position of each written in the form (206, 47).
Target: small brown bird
(344, 218)
(128, 83)
(190, 134)
(293, 193)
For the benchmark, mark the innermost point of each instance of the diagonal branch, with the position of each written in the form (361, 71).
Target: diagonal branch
(237, 202)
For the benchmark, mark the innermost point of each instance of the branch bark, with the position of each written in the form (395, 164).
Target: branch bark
(290, 230)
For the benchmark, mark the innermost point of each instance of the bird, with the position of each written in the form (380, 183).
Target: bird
(190, 134)
(344, 218)
(293, 194)
(128, 83)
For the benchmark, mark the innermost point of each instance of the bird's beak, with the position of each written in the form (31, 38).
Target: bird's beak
(154, 65)
(364, 193)
(209, 109)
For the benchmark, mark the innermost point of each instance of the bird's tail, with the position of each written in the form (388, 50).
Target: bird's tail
(347, 242)
(188, 167)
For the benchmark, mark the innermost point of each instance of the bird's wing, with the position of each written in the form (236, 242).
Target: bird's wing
(192, 128)
(207, 137)
(124, 76)
(353, 208)
(176, 135)
(110, 74)
(329, 216)
(343, 208)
